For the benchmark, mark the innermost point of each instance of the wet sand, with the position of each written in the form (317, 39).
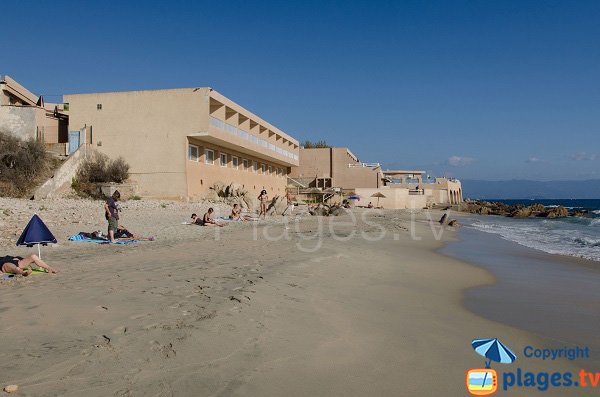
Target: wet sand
(553, 296)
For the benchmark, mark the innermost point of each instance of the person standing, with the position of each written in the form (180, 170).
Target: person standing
(111, 213)
(263, 198)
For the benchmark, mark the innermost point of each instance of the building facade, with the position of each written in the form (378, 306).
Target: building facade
(26, 115)
(338, 170)
(334, 168)
(180, 142)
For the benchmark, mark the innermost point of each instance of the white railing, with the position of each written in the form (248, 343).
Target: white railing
(233, 130)
(360, 165)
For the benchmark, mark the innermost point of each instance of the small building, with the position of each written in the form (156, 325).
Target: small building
(334, 168)
(180, 142)
(26, 116)
(335, 171)
(415, 189)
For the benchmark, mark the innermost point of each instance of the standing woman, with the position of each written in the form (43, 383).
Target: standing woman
(111, 213)
(263, 198)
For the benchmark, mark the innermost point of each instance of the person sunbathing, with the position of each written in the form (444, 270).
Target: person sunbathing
(236, 214)
(22, 266)
(123, 233)
(210, 221)
(196, 220)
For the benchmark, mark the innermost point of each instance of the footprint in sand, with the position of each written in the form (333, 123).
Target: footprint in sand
(119, 330)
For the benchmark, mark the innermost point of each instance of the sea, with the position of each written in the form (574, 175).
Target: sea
(573, 236)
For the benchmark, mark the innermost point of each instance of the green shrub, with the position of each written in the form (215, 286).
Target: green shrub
(99, 169)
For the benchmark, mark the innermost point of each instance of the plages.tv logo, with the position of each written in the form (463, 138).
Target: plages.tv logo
(484, 381)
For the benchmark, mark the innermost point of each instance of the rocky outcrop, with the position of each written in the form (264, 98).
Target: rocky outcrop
(516, 210)
(326, 210)
(277, 206)
(232, 193)
(556, 212)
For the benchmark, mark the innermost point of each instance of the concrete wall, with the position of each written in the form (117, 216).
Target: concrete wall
(395, 198)
(147, 128)
(19, 121)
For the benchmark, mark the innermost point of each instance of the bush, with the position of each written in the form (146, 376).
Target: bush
(99, 169)
(315, 145)
(22, 164)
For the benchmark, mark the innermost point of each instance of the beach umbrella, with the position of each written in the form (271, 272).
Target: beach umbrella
(36, 232)
(493, 350)
(378, 195)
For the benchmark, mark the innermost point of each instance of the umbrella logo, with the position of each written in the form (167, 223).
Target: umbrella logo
(484, 381)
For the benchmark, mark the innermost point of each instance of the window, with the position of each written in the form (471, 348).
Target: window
(234, 162)
(263, 168)
(245, 162)
(193, 153)
(255, 166)
(209, 156)
(270, 170)
(99, 106)
(223, 159)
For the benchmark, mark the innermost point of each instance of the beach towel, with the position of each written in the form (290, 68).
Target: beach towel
(82, 239)
(34, 270)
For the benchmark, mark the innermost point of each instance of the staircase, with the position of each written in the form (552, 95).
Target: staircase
(63, 176)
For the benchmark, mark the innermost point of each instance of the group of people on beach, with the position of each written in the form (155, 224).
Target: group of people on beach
(20, 266)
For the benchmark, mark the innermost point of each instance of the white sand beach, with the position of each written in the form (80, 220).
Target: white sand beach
(317, 306)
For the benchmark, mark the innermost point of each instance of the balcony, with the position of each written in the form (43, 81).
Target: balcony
(228, 136)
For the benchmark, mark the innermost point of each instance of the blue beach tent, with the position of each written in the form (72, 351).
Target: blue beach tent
(36, 232)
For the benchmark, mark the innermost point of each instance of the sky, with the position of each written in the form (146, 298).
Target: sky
(490, 90)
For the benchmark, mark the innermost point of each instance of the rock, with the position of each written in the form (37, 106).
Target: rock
(219, 188)
(556, 212)
(11, 388)
(250, 203)
(524, 212)
(319, 210)
(453, 223)
(212, 196)
(579, 213)
(337, 211)
(537, 208)
(277, 206)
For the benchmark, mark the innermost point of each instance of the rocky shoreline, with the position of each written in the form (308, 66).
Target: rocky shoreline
(518, 210)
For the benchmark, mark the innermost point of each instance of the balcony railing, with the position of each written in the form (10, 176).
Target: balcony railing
(416, 192)
(361, 165)
(233, 130)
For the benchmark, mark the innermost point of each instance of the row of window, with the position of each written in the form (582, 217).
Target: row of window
(215, 122)
(246, 164)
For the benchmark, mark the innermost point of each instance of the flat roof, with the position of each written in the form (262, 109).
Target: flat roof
(403, 172)
(213, 94)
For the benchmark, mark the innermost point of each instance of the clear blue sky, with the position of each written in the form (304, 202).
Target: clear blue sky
(478, 89)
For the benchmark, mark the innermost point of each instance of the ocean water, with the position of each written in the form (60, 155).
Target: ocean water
(579, 237)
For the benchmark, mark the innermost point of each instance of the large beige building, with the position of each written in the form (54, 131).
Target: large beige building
(179, 142)
(339, 170)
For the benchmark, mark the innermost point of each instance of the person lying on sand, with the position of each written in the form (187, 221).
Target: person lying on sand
(22, 266)
(196, 220)
(209, 220)
(123, 233)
